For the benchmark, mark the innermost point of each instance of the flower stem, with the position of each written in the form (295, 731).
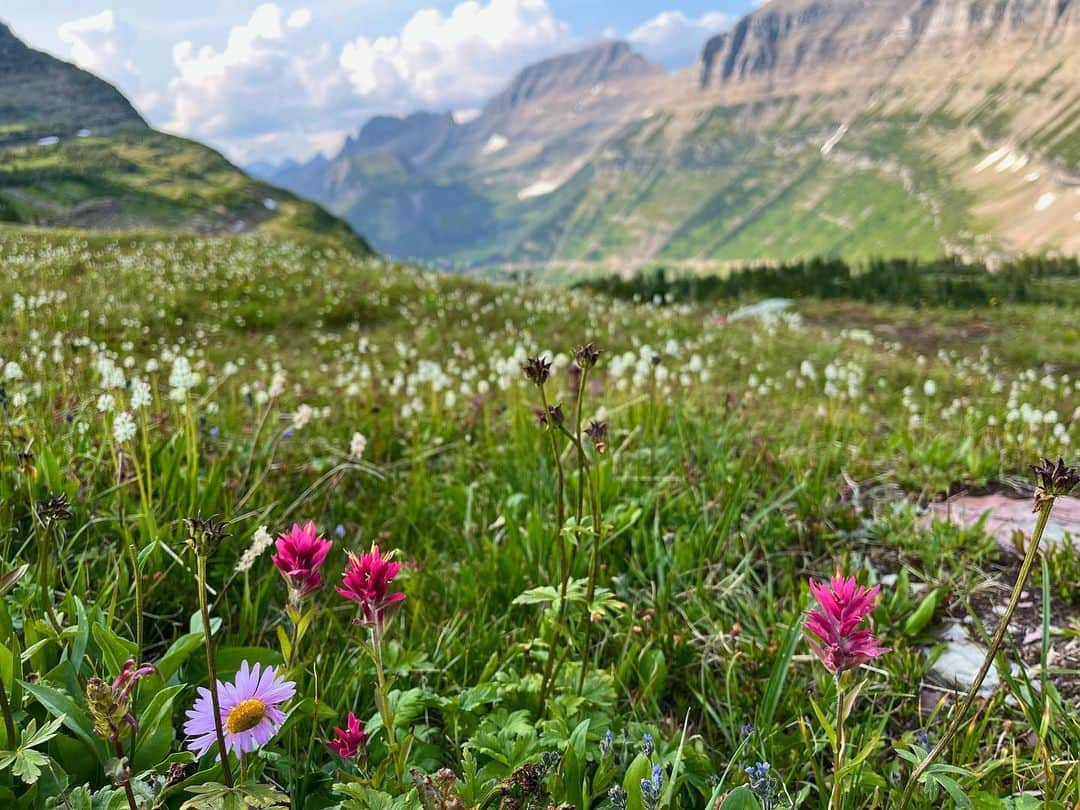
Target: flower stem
(564, 561)
(385, 711)
(837, 799)
(594, 569)
(9, 720)
(226, 769)
(988, 661)
(126, 780)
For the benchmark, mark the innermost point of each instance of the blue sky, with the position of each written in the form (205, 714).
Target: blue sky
(287, 78)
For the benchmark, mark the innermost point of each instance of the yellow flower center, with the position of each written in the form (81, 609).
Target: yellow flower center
(245, 715)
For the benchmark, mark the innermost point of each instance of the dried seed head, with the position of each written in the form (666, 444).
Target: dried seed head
(1056, 479)
(586, 355)
(205, 534)
(537, 370)
(55, 508)
(1053, 480)
(598, 431)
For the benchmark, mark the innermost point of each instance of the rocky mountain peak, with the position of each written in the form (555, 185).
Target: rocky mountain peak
(605, 62)
(788, 38)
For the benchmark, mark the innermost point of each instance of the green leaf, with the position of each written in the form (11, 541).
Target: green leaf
(778, 677)
(740, 798)
(114, 649)
(156, 730)
(923, 614)
(573, 766)
(75, 719)
(640, 769)
(953, 789)
(28, 764)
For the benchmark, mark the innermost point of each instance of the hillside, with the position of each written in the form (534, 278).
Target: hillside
(812, 127)
(75, 153)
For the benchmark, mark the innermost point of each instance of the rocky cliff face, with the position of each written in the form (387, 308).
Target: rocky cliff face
(796, 39)
(582, 70)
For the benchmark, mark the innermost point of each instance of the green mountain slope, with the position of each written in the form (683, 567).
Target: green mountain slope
(75, 153)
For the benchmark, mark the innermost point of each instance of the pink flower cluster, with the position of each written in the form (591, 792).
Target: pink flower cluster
(834, 631)
(300, 554)
(367, 582)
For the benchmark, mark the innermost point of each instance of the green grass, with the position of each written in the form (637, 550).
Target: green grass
(753, 456)
(138, 178)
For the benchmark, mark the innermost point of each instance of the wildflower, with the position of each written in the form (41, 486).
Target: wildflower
(205, 534)
(647, 746)
(833, 632)
(12, 371)
(260, 542)
(1054, 479)
(250, 711)
(607, 744)
(537, 370)
(181, 379)
(339, 530)
(106, 403)
(586, 355)
(357, 446)
(653, 787)
(123, 427)
(348, 741)
(300, 554)
(54, 508)
(618, 798)
(110, 704)
(302, 416)
(552, 417)
(366, 581)
(598, 431)
(140, 394)
(763, 785)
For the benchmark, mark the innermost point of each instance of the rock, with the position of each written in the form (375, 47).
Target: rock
(958, 665)
(1008, 515)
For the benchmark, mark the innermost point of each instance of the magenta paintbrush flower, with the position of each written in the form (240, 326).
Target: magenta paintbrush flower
(348, 741)
(250, 711)
(300, 554)
(833, 632)
(367, 582)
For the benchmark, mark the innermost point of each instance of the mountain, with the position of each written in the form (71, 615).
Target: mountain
(853, 128)
(75, 153)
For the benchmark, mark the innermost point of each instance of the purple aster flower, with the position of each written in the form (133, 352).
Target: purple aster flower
(250, 711)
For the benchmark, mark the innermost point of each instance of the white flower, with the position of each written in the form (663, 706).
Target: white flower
(181, 379)
(12, 371)
(140, 393)
(929, 388)
(105, 403)
(302, 416)
(260, 541)
(358, 445)
(277, 384)
(123, 427)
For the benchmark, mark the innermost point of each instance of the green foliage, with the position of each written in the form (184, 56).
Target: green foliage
(752, 455)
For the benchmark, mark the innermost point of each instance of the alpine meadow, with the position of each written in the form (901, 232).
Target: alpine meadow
(540, 405)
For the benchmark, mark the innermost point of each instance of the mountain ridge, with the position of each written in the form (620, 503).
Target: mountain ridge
(74, 152)
(842, 127)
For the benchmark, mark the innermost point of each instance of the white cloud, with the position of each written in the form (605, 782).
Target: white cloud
(279, 87)
(458, 59)
(103, 45)
(674, 39)
(275, 87)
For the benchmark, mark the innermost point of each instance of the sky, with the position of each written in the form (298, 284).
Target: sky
(292, 78)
